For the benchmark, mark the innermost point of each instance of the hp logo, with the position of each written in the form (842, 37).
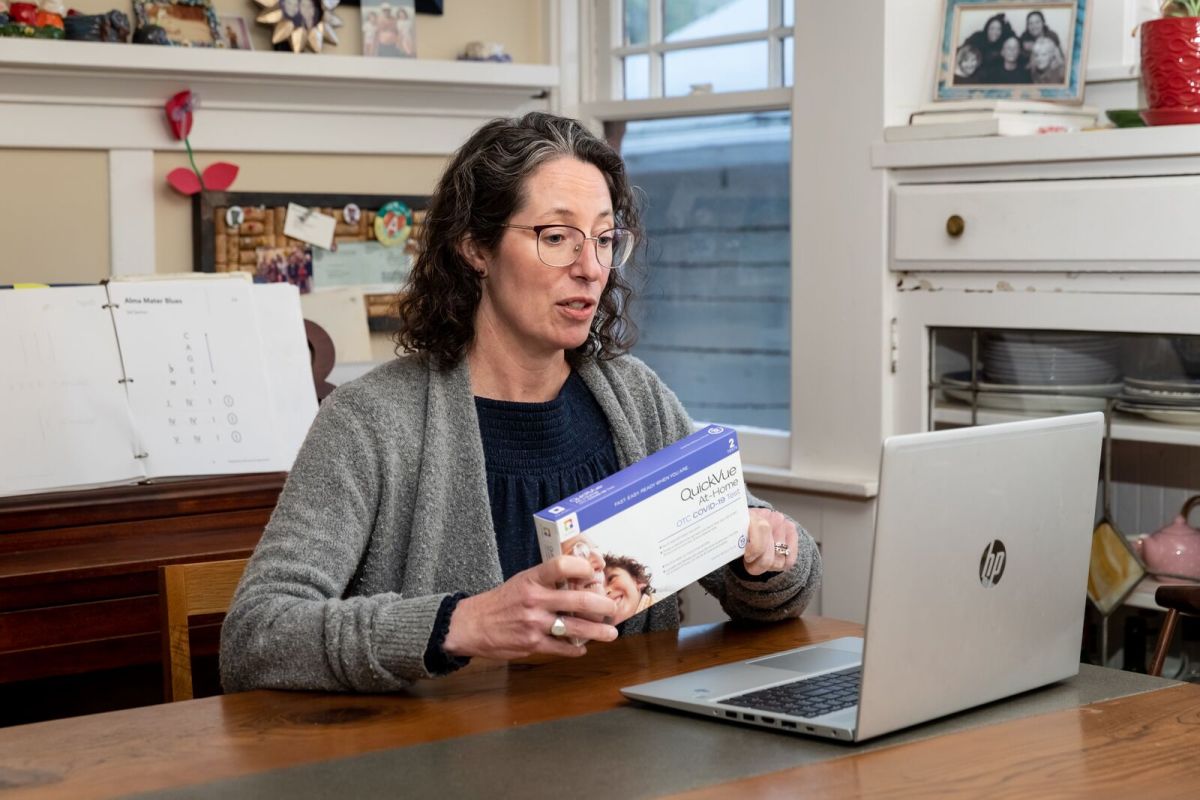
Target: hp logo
(991, 565)
(716, 429)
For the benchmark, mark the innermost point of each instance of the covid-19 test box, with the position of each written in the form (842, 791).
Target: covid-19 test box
(678, 514)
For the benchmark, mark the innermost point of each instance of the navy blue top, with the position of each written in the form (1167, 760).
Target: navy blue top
(537, 454)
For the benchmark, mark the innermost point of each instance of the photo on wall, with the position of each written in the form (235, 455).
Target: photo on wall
(1013, 49)
(389, 28)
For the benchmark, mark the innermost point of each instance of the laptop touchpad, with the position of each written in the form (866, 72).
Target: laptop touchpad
(817, 659)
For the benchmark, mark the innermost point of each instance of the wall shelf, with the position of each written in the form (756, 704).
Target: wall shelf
(87, 95)
(1116, 143)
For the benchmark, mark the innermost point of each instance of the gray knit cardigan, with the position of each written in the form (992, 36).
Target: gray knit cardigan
(386, 512)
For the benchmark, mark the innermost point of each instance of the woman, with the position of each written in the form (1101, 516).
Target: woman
(966, 65)
(1046, 62)
(1009, 69)
(989, 41)
(1036, 28)
(403, 542)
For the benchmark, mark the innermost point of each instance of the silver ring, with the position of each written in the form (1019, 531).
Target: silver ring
(781, 549)
(559, 628)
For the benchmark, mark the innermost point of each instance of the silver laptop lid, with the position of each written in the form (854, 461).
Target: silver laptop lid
(979, 569)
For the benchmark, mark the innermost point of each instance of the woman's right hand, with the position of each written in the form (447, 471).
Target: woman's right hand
(513, 620)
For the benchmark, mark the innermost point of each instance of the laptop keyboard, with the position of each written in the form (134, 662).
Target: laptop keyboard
(807, 697)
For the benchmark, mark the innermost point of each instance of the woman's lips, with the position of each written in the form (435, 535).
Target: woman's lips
(580, 310)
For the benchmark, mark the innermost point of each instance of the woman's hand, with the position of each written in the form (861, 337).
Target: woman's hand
(513, 620)
(771, 543)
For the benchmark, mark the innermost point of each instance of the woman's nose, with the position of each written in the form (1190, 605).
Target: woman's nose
(588, 264)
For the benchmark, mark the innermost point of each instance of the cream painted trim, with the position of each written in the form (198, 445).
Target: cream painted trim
(563, 34)
(860, 488)
(82, 95)
(691, 105)
(1091, 146)
(130, 205)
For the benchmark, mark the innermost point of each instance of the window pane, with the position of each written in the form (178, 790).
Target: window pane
(637, 77)
(698, 19)
(727, 68)
(789, 60)
(789, 12)
(714, 282)
(637, 21)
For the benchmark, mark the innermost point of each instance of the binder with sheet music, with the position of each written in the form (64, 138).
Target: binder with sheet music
(149, 378)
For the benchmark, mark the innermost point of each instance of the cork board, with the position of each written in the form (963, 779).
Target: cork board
(221, 247)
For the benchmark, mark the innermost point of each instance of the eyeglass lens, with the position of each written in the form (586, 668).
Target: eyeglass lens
(560, 246)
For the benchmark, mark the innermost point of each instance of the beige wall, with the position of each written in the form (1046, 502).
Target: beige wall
(53, 216)
(54, 213)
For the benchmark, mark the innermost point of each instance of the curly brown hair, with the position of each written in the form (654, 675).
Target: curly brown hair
(480, 191)
(636, 569)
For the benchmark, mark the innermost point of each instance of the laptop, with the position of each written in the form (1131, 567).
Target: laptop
(977, 590)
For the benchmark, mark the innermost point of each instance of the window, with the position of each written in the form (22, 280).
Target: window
(713, 287)
(676, 48)
(694, 94)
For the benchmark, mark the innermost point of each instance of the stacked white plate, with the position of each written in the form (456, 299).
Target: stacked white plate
(1020, 397)
(1059, 360)
(1172, 401)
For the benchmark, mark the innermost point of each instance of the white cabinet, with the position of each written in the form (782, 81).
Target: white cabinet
(1090, 232)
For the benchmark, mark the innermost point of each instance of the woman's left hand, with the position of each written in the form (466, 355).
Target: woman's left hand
(771, 543)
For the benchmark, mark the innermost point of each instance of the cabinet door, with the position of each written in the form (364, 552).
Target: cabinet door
(1119, 224)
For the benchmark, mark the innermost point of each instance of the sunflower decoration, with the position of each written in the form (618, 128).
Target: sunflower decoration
(300, 23)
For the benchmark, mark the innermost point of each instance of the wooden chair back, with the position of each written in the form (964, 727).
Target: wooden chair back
(186, 591)
(1177, 599)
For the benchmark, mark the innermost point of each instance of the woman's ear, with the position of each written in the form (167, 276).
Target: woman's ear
(474, 255)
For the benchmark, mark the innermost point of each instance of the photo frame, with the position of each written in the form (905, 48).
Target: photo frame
(188, 23)
(1013, 50)
(389, 29)
(235, 32)
(433, 7)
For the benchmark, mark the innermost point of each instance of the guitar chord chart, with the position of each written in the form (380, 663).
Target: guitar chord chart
(184, 348)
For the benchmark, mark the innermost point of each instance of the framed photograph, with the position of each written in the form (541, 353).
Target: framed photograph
(389, 28)
(235, 31)
(188, 23)
(1012, 49)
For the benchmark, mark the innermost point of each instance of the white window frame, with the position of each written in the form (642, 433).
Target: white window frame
(598, 26)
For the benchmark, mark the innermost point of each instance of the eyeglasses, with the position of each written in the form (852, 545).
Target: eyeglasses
(561, 245)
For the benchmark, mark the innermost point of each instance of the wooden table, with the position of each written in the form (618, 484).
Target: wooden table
(1139, 746)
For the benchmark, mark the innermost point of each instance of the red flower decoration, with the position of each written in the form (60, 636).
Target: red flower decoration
(218, 176)
(184, 181)
(179, 114)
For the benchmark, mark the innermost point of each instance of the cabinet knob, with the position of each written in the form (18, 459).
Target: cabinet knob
(955, 226)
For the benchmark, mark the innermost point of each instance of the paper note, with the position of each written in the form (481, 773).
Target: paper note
(342, 312)
(362, 264)
(309, 225)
